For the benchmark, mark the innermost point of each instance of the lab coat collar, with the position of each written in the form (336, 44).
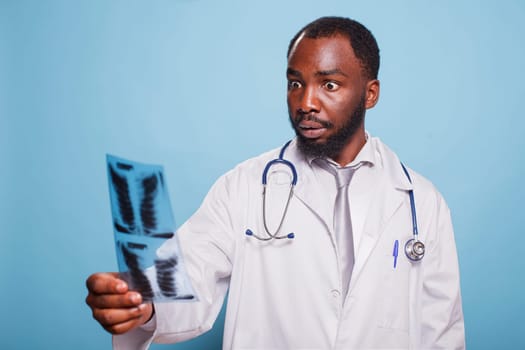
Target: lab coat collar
(374, 152)
(391, 165)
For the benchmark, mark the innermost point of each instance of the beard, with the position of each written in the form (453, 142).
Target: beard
(336, 142)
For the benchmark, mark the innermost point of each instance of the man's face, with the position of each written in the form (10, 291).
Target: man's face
(327, 95)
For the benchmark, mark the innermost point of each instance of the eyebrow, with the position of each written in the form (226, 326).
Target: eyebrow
(293, 72)
(335, 71)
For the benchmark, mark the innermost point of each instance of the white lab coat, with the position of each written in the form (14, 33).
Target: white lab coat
(286, 294)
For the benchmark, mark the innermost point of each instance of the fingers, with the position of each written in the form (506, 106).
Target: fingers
(106, 283)
(107, 291)
(118, 321)
(114, 301)
(116, 308)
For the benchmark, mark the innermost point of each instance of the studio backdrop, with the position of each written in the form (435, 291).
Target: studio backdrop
(199, 86)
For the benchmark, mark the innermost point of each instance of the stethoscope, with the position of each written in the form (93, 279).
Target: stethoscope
(414, 248)
(271, 163)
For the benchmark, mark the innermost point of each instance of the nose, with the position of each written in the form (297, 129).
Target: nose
(309, 101)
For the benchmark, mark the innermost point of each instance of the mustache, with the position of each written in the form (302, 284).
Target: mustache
(311, 117)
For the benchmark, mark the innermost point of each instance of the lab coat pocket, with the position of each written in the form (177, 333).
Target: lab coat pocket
(395, 300)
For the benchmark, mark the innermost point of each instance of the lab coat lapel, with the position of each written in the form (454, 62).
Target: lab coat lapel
(386, 202)
(388, 197)
(307, 190)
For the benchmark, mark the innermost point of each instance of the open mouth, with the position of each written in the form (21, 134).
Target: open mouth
(311, 130)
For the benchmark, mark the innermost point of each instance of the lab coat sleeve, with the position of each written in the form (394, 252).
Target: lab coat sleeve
(137, 339)
(206, 243)
(442, 325)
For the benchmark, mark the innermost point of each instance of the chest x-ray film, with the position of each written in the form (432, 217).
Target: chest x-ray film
(142, 223)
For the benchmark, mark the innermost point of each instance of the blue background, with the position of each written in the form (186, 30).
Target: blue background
(199, 86)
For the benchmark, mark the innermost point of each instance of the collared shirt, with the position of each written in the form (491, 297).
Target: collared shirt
(360, 189)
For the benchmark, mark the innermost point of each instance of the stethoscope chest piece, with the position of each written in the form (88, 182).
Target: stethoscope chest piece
(414, 250)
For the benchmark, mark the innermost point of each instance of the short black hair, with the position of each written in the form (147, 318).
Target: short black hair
(361, 39)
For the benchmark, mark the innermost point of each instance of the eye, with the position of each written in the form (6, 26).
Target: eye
(294, 84)
(331, 85)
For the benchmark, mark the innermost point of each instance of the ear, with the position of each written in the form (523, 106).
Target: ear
(372, 93)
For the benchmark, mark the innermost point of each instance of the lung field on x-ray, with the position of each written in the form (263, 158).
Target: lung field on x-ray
(147, 205)
(138, 199)
(126, 224)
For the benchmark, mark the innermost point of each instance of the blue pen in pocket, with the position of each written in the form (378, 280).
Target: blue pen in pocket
(395, 252)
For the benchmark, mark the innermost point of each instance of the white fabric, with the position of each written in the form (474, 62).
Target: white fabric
(286, 294)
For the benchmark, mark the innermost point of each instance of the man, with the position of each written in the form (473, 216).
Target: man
(337, 283)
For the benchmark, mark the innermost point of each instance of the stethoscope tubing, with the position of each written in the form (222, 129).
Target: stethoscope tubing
(414, 248)
(412, 204)
(264, 181)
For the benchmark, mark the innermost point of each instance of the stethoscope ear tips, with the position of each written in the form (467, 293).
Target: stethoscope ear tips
(290, 235)
(249, 232)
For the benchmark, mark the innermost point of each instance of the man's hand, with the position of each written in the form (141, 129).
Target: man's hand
(114, 306)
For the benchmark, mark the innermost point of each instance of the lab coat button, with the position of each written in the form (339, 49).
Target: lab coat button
(335, 293)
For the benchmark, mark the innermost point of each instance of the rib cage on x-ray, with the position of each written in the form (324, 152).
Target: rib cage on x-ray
(140, 196)
(128, 222)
